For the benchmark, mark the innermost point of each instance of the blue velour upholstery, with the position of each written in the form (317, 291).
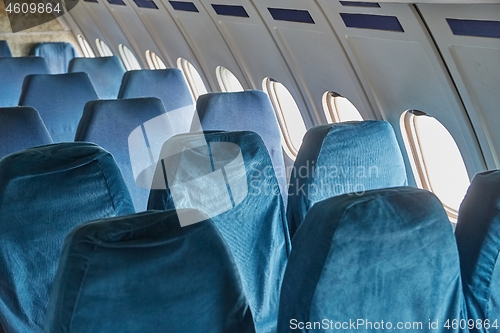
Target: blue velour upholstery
(4, 49)
(44, 193)
(20, 128)
(13, 72)
(478, 239)
(249, 110)
(223, 173)
(386, 255)
(124, 124)
(146, 273)
(168, 85)
(56, 54)
(343, 158)
(60, 100)
(105, 73)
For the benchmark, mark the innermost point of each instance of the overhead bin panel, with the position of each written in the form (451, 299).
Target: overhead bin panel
(205, 40)
(468, 37)
(314, 53)
(139, 39)
(400, 67)
(254, 48)
(107, 24)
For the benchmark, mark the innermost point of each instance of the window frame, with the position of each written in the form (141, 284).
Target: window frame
(103, 48)
(187, 69)
(417, 160)
(85, 47)
(128, 58)
(224, 77)
(269, 87)
(154, 61)
(331, 110)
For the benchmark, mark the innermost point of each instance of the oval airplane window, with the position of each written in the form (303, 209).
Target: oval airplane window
(154, 61)
(86, 49)
(289, 117)
(193, 78)
(436, 160)
(128, 58)
(103, 48)
(337, 108)
(227, 80)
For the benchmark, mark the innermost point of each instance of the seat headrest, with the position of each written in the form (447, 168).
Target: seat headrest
(150, 271)
(57, 54)
(60, 100)
(44, 193)
(385, 255)
(229, 176)
(21, 127)
(15, 69)
(133, 130)
(106, 74)
(478, 240)
(168, 85)
(249, 110)
(343, 158)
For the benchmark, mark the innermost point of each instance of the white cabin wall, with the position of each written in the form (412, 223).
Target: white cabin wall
(474, 64)
(383, 73)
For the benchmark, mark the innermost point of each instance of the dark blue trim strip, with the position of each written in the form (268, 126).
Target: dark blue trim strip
(360, 4)
(375, 22)
(117, 2)
(184, 6)
(91, 1)
(230, 10)
(474, 28)
(146, 4)
(291, 15)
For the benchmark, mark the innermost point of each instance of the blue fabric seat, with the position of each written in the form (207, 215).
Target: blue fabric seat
(13, 71)
(133, 130)
(60, 100)
(44, 193)
(343, 158)
(386, 255)
(20, 128)
(105, 73)
(56, 54)
(249, 110)
(478, 240)
(4, 49)
(146, 273)
(221, 174)
(168, 85)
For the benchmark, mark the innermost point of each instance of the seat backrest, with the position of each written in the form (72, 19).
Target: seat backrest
(44, 193)
(168, 85)
(334, 159)
(60, 100)
(20, 128)
(249, 110)
(478, 239)
(163, 278)
(382, 260)
(56, 54)
(16, 69)
(133, 130)
(223, 174)
(4, 49)
(105, 73)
